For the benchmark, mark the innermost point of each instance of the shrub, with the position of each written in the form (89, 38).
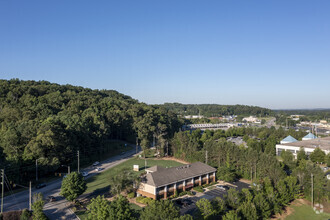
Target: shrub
(25, 215)
(144, 200)
(185, 193)
(131, 195)
(198, 189)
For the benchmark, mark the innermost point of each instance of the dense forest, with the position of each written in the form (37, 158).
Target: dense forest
(256, 162)
(210, 110)
(49, 122)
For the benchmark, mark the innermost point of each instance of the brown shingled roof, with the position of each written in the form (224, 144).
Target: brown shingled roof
(175, 174)
(155, 168)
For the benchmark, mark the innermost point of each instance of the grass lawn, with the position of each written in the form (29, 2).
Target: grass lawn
(135, 207)
(100, 183)
(305, 212)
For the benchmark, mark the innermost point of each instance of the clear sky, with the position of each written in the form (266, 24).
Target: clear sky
(270, 53)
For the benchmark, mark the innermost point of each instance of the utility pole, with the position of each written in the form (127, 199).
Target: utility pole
(78, 160)
(36, 170)
(68, 169)
(167, 147)
(154, 141)
(30, 197)
(3, 187)
(137, 143)
(312, 190)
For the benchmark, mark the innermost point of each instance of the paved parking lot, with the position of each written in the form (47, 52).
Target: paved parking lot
(211, 194)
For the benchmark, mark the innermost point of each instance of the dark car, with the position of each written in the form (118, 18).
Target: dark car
(179, 202)
(40, 185)
(51, 198)
(186, 202)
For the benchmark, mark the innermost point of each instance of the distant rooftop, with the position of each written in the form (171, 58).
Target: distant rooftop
(288, 139)
(322, 143)
(175, 174)
(309, 136)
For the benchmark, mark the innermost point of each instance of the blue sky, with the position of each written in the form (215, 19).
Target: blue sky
(273, 54)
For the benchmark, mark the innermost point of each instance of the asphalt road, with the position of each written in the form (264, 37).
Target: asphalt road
(59, 209)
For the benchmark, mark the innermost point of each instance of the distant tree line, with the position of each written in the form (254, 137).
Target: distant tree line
(50, 122)
(210, 110)
(314, 115)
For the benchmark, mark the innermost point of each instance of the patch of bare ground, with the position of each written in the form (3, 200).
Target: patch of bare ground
(287, 211)
(173, 159)
(245, 181)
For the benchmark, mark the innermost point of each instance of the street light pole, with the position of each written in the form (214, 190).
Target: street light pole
(78, 160)
(3, 187)
(30, 197)
(137, 143)
(36, 170)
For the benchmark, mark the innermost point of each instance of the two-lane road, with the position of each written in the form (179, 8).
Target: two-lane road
(59, 209)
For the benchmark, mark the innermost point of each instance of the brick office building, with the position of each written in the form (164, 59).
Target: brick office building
(160, 182)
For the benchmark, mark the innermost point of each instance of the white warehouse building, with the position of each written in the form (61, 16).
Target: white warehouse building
(308, 145)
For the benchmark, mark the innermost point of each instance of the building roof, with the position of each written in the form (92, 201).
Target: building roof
(310, 136)
(155, 168)
(288, 139)
(322, 143)
(175, 174)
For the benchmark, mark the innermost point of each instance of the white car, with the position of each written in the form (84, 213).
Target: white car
(96, 163)
(84, 174)
(98, 169)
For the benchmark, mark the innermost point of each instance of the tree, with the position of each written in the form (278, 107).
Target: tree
(317, 156)
(160, 210)
(232, 198)
(301, 154)
(226, 173)
(73, 185)
(248, 211)
(262, 205)
(327, 159)
(121, 182)
(120, 209)
(231, 215)
(205, 208)
(98, 208)
(219, 205)
(184, 217)
(37, 207)
(26, 215)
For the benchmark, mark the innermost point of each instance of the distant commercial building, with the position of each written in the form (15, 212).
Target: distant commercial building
(160, 182)
(308, 145)
(251, 119)
(193, 116)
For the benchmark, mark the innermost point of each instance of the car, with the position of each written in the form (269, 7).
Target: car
(51, 199)
(325, 168)
(40, 185)
(98, 169)
(223, 188)
(96, 163)
(84, 174)
(186, 202)
(179, 202)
